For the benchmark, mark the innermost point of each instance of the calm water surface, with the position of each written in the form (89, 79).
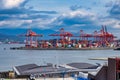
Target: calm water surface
(10, 58)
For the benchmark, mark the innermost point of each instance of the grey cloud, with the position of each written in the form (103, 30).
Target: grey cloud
(115, 10)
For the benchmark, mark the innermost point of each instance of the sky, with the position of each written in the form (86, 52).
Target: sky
(72, 15)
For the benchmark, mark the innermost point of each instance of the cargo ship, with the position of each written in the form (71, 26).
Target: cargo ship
(99, 40)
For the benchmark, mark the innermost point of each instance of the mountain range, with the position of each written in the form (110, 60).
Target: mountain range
(12, 34)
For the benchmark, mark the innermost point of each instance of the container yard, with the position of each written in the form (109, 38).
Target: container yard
(64, 40)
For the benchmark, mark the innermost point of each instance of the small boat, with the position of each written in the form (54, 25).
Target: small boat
(118, 48)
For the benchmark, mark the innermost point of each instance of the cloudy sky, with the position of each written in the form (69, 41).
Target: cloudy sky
(73, 15)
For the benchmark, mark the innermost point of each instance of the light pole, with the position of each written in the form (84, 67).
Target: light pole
(44, 70)
(63, 74)
(44, 73)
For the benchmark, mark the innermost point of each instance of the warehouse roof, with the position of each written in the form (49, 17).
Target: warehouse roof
(50, 69)
(35, 69)
(82, 65)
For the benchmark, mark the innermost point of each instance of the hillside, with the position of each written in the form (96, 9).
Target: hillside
(12, 34)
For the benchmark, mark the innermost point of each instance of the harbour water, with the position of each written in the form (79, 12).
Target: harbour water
(10, 58)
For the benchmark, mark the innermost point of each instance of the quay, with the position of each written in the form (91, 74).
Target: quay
(38, 48)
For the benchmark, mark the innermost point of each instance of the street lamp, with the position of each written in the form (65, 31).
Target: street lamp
(44, 70)
(63, 74)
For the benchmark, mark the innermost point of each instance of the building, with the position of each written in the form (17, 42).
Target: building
(107, 72)
(48, 70)
(80, 71)
(84, 69)
(52, 71)
(7, 74)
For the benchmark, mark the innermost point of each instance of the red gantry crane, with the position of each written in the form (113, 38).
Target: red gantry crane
(103, 36)
(64, 36)
(84, 36)
(31, 38)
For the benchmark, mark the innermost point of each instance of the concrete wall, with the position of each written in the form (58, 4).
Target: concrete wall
(111, 69)
(45, 79)
(102, 74)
